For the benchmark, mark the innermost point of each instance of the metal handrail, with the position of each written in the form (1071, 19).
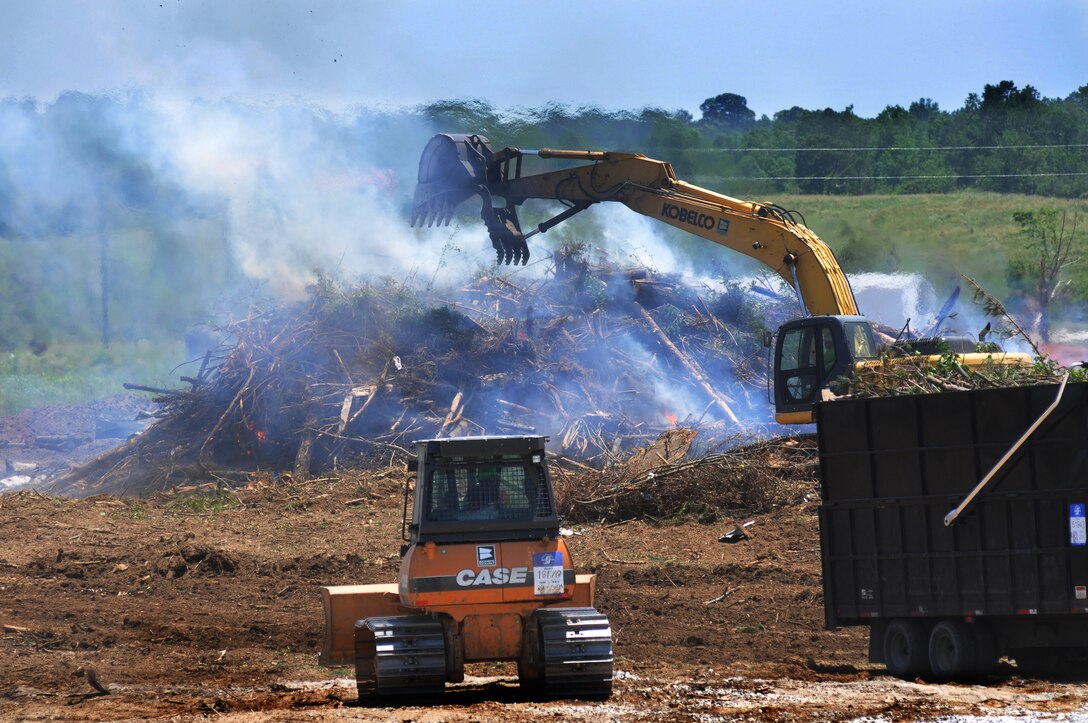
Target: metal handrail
(958, 509)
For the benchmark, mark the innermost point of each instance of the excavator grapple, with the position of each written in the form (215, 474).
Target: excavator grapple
(485, 576)
(452, 169)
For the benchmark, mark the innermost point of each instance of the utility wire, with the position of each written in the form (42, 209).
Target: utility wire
(877, 148)
(879, 178)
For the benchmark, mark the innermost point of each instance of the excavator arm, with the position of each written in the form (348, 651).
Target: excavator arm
(811, 353)
(454, 168)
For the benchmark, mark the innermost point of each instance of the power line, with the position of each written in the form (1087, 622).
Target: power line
(861, 149)
(880, 178)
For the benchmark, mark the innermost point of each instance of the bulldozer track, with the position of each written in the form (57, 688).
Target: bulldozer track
(409, 656)
(577, 650)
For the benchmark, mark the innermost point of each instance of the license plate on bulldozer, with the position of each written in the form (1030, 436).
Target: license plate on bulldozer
(548, 573)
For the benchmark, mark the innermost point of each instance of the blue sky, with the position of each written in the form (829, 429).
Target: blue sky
(629, 54)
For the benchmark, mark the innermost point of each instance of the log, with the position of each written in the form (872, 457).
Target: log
(153, 390)
(305, 451)
(454, 414)
(696, 373)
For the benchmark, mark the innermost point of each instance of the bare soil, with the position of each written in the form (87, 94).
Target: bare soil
(80, 432)
(205, 603)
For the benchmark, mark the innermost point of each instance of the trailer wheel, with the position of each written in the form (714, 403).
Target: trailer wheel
(953, 654)
(906, 649)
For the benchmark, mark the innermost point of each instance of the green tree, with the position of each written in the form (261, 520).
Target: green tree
(729, 111)
(1006, 96)
(1040, 271)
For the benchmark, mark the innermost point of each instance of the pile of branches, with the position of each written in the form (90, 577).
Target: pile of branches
(741, 480)
(945, 372)
(593, 355)
(921, 375)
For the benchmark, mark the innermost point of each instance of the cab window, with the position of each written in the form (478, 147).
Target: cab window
(799, 372)
(828, 345)
(859, 337)
(484, 492)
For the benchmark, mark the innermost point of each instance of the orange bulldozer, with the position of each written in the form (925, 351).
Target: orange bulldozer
(484, 576)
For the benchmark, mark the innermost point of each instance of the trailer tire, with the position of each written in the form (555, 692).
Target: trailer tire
(906, 649)
(953, 654)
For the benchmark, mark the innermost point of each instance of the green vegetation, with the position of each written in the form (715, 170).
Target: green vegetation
(70, 373)
(1006, 139)
(201, 501)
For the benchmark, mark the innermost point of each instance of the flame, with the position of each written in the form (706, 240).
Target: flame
(673, 420)
(261, 435)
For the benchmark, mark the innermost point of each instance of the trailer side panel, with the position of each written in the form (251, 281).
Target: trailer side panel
(893, 467)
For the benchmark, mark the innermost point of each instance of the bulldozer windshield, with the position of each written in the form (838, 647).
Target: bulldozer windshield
(489, 492)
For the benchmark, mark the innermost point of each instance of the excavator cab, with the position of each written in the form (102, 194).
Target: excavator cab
(811, 355)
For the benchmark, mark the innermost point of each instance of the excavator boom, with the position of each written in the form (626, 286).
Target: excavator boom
(453, 168)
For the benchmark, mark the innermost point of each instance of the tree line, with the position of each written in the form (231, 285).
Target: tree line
(1005, 139)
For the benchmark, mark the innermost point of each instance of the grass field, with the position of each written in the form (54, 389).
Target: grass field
(71, 373)
(970, 233)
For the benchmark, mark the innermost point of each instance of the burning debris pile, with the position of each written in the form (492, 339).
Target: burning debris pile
(600, 358)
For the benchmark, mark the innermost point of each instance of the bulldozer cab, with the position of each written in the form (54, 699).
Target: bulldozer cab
(482, 488)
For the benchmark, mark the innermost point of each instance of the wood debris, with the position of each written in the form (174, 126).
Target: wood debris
(599, 357)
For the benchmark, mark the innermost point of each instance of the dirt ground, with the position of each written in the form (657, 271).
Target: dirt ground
(78, 432)
(205, 604)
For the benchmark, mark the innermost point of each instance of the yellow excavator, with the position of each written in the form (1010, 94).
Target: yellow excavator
(811, 353)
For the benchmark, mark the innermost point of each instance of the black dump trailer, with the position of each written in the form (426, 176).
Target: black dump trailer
(947, 582)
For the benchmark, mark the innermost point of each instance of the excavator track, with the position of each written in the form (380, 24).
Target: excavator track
(576, 644)
(399, 655)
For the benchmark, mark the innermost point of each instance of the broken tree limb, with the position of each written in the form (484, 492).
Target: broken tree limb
(153, 390)
(696, 373)
(377, 388)
(454, 414)
(201, 456)
(343, 366)
(305, 449)
(724, 595)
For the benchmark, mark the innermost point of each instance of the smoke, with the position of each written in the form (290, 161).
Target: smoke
(226, 194)
(301, 194)
(193, 203)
